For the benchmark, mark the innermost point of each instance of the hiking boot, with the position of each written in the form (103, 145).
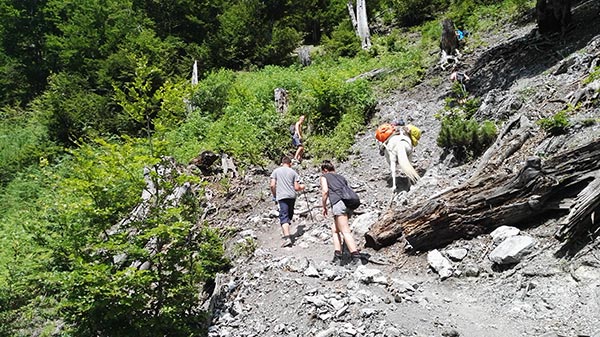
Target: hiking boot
(357, 259)
(337, 259)
(287, 242)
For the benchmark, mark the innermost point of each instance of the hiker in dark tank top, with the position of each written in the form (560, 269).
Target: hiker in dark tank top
(340, 230)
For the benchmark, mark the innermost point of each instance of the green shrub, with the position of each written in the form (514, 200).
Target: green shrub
(336, 143)
(67, 253)
(343, 41)
(466, 138)
(594, 75)
(244, 248)
(415, 12)
(210, 96)
(555, 125)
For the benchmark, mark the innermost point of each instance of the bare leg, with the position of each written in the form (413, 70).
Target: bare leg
(337, 240)
(285, 228)
(342, 227)
(299, 153)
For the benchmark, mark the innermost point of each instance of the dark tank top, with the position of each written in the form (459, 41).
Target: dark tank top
(335, 183)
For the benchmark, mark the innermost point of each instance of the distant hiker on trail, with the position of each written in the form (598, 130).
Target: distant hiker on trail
(296, 131)
(284, 184)
(459, 77)
(331, 185)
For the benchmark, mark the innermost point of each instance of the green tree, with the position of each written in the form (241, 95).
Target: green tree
(23, 59)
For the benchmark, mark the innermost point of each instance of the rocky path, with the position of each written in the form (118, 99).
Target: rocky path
(454, 291)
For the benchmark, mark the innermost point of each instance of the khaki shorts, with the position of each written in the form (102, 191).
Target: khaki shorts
(340, 209)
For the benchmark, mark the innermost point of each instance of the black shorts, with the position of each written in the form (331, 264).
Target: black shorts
(286, 210)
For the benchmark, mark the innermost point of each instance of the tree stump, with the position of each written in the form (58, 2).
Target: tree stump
(281, 100)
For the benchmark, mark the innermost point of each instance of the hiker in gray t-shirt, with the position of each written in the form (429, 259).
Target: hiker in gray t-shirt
(284, 184)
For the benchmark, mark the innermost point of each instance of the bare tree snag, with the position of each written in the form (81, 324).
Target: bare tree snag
(360, 22)
(363, 24)
(489, 201)
(304, 56)
(353, 16)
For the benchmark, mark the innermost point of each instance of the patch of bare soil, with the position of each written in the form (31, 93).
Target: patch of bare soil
(297, 291)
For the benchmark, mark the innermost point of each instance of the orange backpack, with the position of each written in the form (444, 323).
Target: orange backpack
(384, 131)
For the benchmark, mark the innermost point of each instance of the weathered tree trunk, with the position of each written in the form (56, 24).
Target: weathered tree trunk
(304, 56)
(353, 16)
(195, 73)
(488, 201)
(360, 22)
(363, 24)
(281, 100)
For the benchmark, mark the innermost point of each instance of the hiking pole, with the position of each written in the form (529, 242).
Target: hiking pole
(308, 204)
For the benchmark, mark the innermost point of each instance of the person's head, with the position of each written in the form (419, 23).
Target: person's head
(285, 160)
(301, 119)
(327, 166)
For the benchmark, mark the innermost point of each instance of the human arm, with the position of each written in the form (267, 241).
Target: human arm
(273, 187)
(324, 194)
(298, 186)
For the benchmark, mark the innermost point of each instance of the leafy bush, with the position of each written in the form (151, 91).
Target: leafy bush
(466, 138)
(414, 12)
(594, 75)
(210, 96)
(68, 248)
(70, 110)
(343, 41)
(248, 127)
(555, 125)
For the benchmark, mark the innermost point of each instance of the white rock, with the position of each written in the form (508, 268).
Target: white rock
(440, 264)
(363, 222)
(512, 249)
(501, 233)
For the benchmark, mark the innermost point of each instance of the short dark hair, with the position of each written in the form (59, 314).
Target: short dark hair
(326, 165)
(286, 160)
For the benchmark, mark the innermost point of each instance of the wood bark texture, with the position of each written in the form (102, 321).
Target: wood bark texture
(350, 6)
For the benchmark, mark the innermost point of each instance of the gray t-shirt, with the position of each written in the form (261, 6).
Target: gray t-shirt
(285, 178)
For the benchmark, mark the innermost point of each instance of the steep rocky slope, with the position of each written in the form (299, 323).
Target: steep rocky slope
(296, 291)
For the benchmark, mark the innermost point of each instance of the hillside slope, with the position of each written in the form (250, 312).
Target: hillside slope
(296, 291)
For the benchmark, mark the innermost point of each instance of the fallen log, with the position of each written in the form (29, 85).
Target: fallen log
(487, 201)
